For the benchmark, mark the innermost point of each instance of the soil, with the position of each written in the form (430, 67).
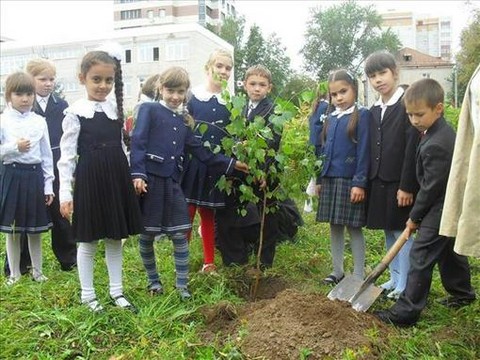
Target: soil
(284, 323)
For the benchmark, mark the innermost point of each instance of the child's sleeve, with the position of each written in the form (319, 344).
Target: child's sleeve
(360, 178)
(6, 147)
(139, 143)
(68, 158)
(408, 178)
(47, 161)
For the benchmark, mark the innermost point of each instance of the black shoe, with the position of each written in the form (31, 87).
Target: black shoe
(332, 280)
(455, 303)
(68, 267)
(389, 317)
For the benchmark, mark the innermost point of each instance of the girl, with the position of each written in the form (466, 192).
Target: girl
(343, 179)
(211, 117)
(392, 171)
(26, 183)
(104, 204)
(159, 141)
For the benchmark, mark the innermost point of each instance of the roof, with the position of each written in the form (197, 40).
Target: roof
(408, 57)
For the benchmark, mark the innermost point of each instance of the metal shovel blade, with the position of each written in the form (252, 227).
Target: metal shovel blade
(362, 301)
(346, 288)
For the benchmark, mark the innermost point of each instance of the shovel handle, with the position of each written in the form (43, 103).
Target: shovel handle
(395, 248)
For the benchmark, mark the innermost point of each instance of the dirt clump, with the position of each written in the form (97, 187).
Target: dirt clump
(294, 324)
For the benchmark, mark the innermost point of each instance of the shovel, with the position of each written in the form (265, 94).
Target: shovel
(363, 293)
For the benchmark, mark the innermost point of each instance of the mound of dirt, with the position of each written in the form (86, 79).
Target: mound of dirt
(291, 324)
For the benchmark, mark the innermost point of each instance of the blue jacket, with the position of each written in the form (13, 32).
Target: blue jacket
(344, 158)
(160, 141)
(316, 125)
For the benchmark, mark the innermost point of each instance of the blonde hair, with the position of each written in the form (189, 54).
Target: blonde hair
(150, 86)
(37, 66)
(19, 82)
(258, 70)
(215, 55)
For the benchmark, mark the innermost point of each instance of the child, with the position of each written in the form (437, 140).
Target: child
(343, 180)
(392, 164)
(160, 141)
(51, 107)
(211, 116)
(316, 120)
(147, 93)
(26, 183)
(238, 235)
(424, 104)
(104, 203)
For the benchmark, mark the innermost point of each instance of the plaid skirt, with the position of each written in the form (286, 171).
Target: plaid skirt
(22, 199)
(334, 205)
(164, 208)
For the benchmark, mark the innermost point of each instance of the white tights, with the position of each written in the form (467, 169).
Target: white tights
(13, 254)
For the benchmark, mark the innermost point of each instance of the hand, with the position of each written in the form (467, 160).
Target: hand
(404, 198)
(357, 195)
(241, 166)
(140, 186)
(318, 188)
(23, 145)
(411, 226)
(48, 199)
(262, 184)
(66, 209)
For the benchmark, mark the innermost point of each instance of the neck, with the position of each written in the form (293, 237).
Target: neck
(214, 87)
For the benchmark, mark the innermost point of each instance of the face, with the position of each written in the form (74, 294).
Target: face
(421, 115)
(22, 102)
(384, 81)
(173, 97)
(220, 70)
(257, 87)
(44, 83)
(342, 94)
(98, 81)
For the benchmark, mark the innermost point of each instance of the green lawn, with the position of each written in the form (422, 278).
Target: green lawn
(46, 321)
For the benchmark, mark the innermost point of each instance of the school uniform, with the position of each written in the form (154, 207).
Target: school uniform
(238, 235)
(26, 176)
(211, 117)
(160, 143)
(345, 165)
(316, 122)
(392, 163)
(433, 160)
(104, 200)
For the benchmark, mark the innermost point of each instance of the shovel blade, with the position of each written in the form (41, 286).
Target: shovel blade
(368, 296)
(346, 288)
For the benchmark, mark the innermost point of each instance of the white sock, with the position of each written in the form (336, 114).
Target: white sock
(35, 250)
(13, 255)
(85, 255)
(357, 243)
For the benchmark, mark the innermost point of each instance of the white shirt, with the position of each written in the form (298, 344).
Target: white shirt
(68, 144)
(14, 126)
(42, 101)
(392, 101)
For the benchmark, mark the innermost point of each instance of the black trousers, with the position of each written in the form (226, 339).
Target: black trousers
(429, 248)
(236, 244)
(63, 244)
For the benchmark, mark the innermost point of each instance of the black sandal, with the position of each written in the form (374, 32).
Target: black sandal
(332, 280)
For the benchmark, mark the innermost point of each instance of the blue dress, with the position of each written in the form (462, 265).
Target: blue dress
(211, 117)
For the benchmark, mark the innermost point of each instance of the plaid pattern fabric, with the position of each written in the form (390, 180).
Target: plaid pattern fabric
(334, 204)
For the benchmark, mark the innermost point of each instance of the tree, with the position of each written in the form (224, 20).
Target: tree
(232, 31)
(297, 84)
(342, 36)
(469, 55)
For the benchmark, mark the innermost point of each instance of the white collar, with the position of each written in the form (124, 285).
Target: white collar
(87, 108)
(39, 98)
(393, 100)
(145, 98)
(202, 94)
(179, 110)
(339, 112)
(14, 112)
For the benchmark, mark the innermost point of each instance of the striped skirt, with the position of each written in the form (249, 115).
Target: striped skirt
(334, 205)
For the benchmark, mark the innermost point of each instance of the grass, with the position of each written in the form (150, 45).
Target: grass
(46, 321)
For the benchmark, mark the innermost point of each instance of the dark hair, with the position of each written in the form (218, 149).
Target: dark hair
(349, 78)
(428, 90)
(96, 57)
(379, 61)
(19, 82)
(258, 70)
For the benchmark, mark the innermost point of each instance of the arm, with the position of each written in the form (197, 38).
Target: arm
(68, 159)
(47, 161)
(138, 146)
(408, 180)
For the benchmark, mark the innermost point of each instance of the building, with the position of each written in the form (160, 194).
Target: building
(139, 13)
(427, 34)
(147, 51)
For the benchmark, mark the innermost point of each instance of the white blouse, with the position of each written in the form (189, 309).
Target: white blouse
(69, 141)
(202, 94)
(13, 126)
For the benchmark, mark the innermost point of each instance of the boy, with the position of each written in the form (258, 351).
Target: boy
(238, 235)
(424, 105)
(51, 107)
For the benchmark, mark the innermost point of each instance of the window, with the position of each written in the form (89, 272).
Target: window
(70, 86)
(156, 54)
(148, 52)
(162, 13)
(130, 14)
(150, 14)
(128, 56)
(176, 50)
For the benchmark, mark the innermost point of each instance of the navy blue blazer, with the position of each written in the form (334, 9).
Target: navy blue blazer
(434, 157)
(160, 141)
(316, 121)
(54, 116)
(344, 158)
